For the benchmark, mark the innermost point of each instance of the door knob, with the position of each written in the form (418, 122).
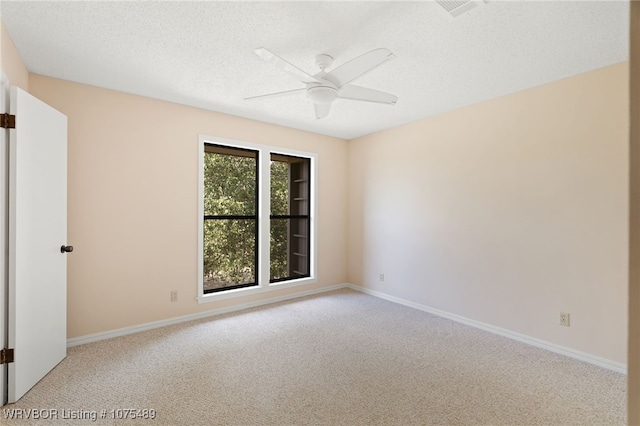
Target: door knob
(66, 249)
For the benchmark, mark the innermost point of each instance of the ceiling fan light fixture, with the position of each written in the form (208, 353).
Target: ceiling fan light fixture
(322, 94)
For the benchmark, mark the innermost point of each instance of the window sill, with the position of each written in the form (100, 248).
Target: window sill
(240, 292)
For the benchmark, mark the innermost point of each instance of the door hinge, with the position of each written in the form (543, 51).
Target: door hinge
(7, 121)
(6, 356)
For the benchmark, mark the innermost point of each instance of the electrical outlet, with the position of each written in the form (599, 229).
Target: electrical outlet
(381, 277)
(174, 296)
(564, 319)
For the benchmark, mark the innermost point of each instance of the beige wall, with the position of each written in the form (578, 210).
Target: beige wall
(634, 277)
(11, 62)
(132, 208)
(506, 212)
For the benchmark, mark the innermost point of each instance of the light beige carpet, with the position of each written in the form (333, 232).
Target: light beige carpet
(339, 358)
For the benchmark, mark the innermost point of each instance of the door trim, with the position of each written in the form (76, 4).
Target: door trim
(4, 236)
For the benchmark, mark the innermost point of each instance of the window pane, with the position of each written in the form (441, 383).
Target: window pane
(230, 183)
(279, 187)
(279, 249)
(229, 254)
(289, 248)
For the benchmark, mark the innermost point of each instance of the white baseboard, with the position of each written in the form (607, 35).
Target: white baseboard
(582, 356)
(163, 323)
(572, 353)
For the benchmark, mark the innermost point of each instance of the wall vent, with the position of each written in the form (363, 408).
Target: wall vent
(457, 8)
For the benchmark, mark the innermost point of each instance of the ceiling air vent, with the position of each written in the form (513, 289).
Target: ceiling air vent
(456, 8)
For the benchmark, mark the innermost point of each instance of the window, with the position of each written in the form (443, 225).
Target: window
(230, 238)
(290, 224)
(256, 218)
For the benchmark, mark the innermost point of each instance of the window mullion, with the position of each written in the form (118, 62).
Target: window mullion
(264, 228)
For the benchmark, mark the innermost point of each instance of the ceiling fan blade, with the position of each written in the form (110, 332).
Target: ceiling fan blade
(361, 65)
(276, 95)
(358, 93)
(285, 66)
(322, 110)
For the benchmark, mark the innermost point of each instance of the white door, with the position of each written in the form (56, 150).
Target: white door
(37, 230)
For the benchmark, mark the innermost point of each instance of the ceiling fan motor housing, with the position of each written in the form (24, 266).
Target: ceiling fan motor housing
(323, 61)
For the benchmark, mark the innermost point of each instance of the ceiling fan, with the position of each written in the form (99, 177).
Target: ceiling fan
(323, 88)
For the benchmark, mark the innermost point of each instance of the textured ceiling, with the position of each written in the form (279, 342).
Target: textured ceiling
(202, 53)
